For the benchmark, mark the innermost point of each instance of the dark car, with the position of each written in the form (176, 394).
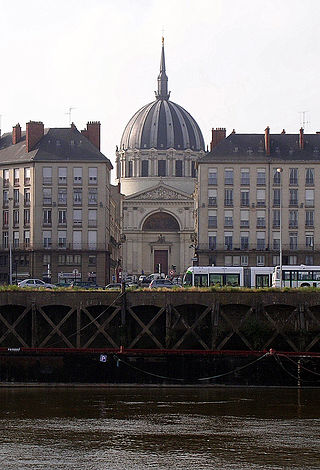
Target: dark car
(84, 285)
(161, 283)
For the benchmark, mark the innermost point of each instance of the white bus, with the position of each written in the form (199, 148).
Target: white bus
(206, 276)
(297, 276)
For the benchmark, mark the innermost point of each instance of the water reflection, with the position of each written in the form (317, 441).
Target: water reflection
(169, 428)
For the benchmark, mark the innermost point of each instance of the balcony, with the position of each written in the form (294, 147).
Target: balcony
(244, 223)
(228, 202)
(212, 202)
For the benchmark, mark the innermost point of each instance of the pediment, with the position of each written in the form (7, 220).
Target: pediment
(161, 192)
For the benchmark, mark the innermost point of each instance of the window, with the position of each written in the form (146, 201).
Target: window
(26, 216)
(261, 219)
(47, 196)
(16, 240)
(77, 216)
(309, 176)
(276, 197)
(228, 176)
(5, 218)
(309, 240)
(212, 240)
(261, 240)
(62, 175)
(244, 198)
(261, 197)
(236, 260)
(5, 239)
(293, 176)
(275, 260)
(92, 239)
(92, 260)
(62, 216)
(93, 175)
(46, 259)
(228, 240)
(16, 176)
(179, 168)
(61, 259)
(228, 197)
(309, 197)
(47, 219)
(276, 240)
(276, 218)
(161, 168)
(245, 176)
(244, 240)
(93, 196)
(47, 238)
(77, 176)
(260, 260)
(293, 219)
(15, 217)
(76, 239)
(193, 170)
(212, 197)
(261, 176)
(212, 176)
(228, 218)
(26, 238)
(77, 259)
(276, 176)
(47, 175)
(5, 198)
(77, 196)
(244, 260)
(293, 201)
(27, 197)
(129, 169)
(16, 197)
(6, 178)
(309, 260)
(244, 218)
(62, 238)
(293, 260)
(212, 219)
(228, 260)
(309, 218)
(27, 176)
(293, 240)
(62, 196)
(92, 217)
(145, 168)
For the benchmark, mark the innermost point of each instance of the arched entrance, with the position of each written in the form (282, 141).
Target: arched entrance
(161, 222)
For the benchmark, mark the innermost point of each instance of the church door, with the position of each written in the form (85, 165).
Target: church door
(161, 257)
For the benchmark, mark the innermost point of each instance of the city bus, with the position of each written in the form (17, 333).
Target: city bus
(206, 276)
(297, 276)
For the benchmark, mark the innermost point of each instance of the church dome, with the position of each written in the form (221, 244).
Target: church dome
(162, 124)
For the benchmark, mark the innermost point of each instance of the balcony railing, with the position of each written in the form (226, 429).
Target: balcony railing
(301, 247)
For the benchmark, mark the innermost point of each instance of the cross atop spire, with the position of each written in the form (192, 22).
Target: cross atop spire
(162, 93)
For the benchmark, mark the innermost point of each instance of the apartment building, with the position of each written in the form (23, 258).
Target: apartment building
(55, 198)
(255, 192)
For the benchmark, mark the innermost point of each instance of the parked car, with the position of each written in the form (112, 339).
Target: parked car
(160, 283)
(84, 285)
(35, 283)
(115, 285)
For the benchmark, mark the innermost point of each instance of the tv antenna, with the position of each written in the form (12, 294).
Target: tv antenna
(69, 113)
(304, 121)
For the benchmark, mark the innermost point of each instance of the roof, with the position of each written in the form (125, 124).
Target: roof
(57, 144)
(251, 147)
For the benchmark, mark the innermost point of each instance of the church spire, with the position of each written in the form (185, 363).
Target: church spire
(162, 93)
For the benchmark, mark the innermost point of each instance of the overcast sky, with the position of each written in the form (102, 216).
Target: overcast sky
(230, 63)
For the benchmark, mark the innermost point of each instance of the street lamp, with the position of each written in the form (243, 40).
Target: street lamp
(280, 170)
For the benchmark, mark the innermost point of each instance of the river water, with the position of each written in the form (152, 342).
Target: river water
(159, 428)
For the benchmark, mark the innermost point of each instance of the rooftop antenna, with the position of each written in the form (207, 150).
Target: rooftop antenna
(69, 113)
(304, 121)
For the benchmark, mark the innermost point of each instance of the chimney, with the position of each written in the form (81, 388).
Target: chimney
(301, 139)
(218, 135)
(16, 134)
(34, 132)
(267, 140)
(283, 131)
(92, 132)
